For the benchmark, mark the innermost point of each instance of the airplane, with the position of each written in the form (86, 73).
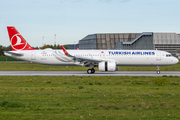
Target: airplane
(105, 60)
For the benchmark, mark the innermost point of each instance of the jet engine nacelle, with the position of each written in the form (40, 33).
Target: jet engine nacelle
(108, 66)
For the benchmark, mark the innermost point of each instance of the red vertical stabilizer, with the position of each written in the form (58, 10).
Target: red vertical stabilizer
(17, 41)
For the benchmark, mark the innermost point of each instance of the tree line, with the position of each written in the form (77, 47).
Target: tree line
(8, 48)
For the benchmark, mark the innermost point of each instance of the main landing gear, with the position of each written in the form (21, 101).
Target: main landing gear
(91, 71)
(158, 70)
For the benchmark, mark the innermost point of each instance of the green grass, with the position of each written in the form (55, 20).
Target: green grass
(40, 67)
(97, 98)
(7, 58)
(175, 67)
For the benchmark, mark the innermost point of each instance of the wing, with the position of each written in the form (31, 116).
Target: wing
(81, 59)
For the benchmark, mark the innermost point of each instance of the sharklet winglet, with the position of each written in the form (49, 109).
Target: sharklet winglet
(64, 50)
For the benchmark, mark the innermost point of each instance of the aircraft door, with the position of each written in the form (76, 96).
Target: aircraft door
(158, 55)
(33, 55)
(102, 55)
(90, 56)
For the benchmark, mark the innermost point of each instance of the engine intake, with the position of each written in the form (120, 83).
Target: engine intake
(108, 66)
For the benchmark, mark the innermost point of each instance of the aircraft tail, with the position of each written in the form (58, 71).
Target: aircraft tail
(17, 41)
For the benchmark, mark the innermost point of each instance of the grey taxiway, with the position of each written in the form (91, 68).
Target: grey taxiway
(84, 73)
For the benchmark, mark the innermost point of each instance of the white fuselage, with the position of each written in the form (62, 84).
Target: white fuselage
(122, 57)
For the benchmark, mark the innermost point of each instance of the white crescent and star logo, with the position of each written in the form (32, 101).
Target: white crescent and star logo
(17, 43)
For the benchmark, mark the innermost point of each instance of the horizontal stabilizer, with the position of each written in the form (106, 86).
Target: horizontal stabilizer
(13, 53)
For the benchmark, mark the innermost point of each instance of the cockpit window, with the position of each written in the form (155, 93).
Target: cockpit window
(168, 55)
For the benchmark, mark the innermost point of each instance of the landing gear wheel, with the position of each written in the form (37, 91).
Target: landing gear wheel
(89, 71)
(158, 71)
(92, 70)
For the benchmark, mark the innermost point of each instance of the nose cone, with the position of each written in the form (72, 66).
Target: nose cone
(175, 60)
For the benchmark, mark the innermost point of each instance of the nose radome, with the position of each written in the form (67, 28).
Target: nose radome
(176, 60)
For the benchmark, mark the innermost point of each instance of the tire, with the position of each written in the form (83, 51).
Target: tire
(89, 71)
(92, 70)
(158, 71)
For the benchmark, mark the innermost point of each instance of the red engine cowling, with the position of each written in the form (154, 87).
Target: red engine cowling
(108, 66)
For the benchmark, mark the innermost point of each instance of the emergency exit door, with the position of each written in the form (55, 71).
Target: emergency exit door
(33, 55)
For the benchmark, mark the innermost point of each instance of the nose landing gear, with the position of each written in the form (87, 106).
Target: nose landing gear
(158, 70)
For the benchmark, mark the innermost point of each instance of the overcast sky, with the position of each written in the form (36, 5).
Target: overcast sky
(72, 20)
